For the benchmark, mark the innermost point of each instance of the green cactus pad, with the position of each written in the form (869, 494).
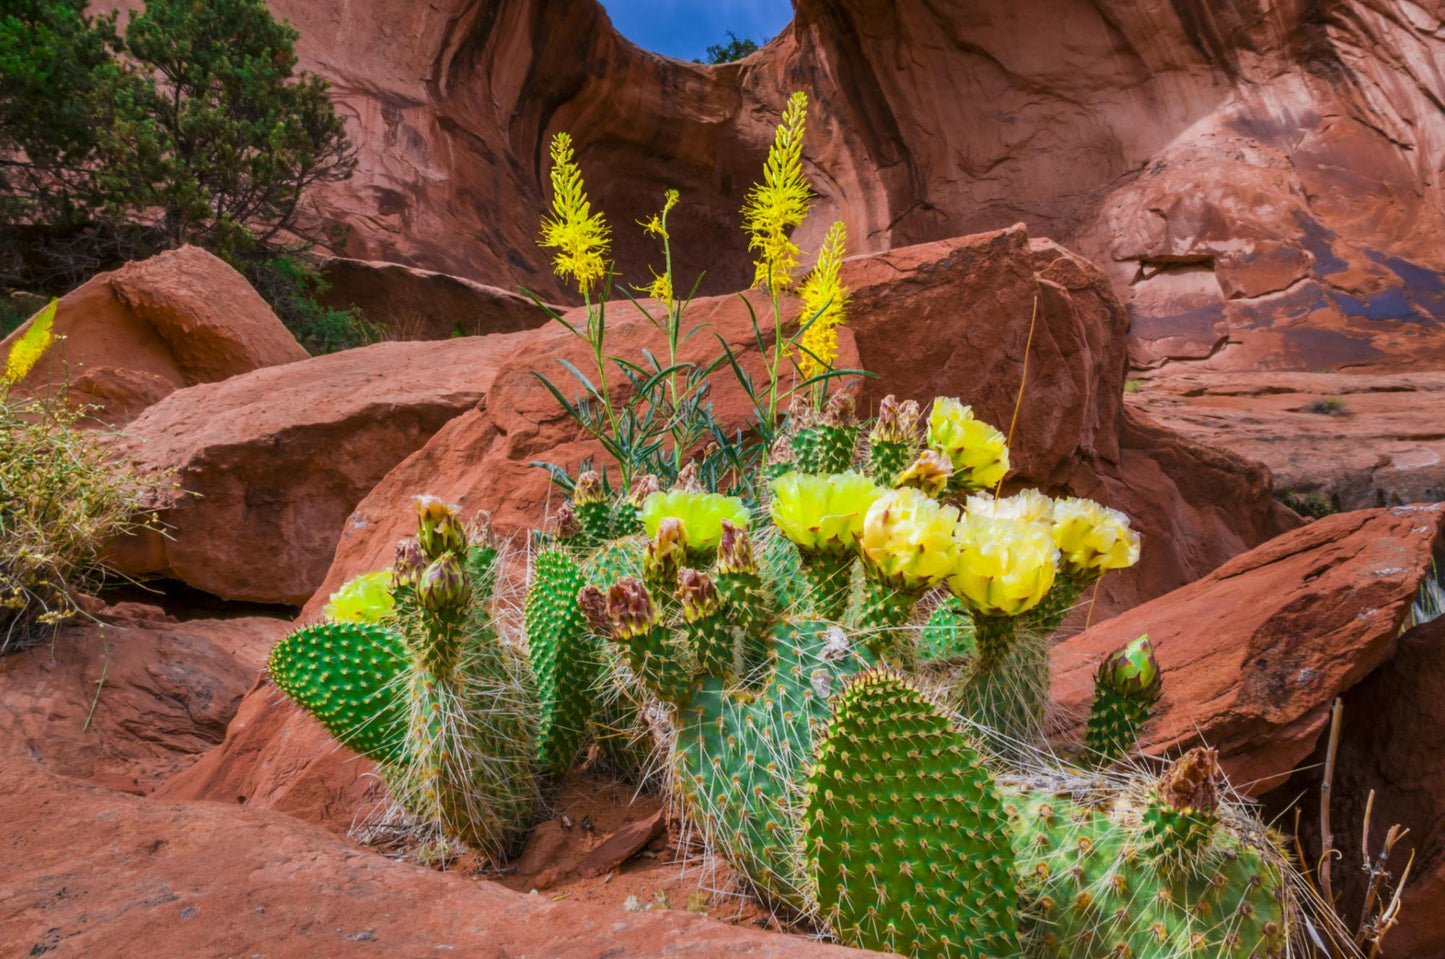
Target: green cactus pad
(1114, 725)
(565, 659)
(887, 460)
(614, 560)
(350, 676)
(824, 448)
(906, 838)
(1093, 889)
(1005, 689)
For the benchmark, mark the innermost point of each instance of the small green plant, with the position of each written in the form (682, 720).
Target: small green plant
(61, 500)
(1133, 386)
(291, 285)
(1312, 505)
(1328, 407)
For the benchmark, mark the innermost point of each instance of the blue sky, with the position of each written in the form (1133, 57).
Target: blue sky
(685, 28)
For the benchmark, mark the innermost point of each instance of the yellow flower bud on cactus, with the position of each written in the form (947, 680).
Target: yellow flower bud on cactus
(1004, 567)
(702, 514)
(978, 452)
(1093, 539)
(1027, 506)
(822, 514)
(930, 473)
(439, 528)
(362, 599)
(908, 539)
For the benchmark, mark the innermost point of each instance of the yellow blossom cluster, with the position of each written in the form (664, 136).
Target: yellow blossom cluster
(579, 236)
(701, 514)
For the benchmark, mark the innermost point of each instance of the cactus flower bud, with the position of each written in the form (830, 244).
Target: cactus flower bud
(568, 525)
(642, 487)
(735, 551)
(781, 455)
(687, 479)
(930, 472)
(840, 409)
(479, 531)
(593, 605)
(698, 594)
(1132, 671)
(664, 554)
(443, 584)
(407, 564)
(589, 489)
(630, 609)
(439, 529)
(897, 421)
(1191, 783)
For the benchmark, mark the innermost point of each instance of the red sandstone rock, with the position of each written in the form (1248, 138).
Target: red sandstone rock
(1254, 653)
(268, 465)
(1352, 440)
(947, 318)
(133, 700)
(277, 757)
(1260, 182)
(93, 872)
(414, 304)
(136, 334)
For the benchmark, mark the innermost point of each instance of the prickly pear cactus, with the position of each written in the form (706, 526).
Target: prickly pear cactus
(1125, 689)
(907, 843)
(894, 441)
(825, 442)
(1155, 871)
(430, 692)
(948, 633)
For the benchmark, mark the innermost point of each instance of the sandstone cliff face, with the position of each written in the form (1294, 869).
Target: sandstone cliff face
(1259, 177)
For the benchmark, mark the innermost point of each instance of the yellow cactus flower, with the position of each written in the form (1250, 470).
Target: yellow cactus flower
(778, 204)
(1004, 567)
(362, 599)
(577, 234)
(930, 472)
(31, 345)
(825, 303)
(701, 514)
(908, 539)
(1026, 506)
(978, 451)
(1093, 539)
(822, 514)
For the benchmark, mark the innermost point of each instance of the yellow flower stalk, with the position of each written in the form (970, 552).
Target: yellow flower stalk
(701, 514)
(825, 303)
(1004, 567)
(822, 514)
(31, 346)
(1093, 539)
(779, 203)
(1026, 506)
(579, 236)
(978, 451)
(656, 225)
(908, 539)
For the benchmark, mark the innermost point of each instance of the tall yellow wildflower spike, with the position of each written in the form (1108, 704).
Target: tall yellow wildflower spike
(31, 346)
(656, 225)
(779, 203)
(826, 299)
(579, 236)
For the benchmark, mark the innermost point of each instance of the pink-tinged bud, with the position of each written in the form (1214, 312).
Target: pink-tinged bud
(897, 421)
(630, 609)
(643, 487)
(443, 584)
(698, 594)
(567, 524)
(594, 609)
(1132, 671)
(1192, 782)
(479, 531)
(665, 553)
(439, 528)
(687, 479)
(781, 453)
(735, 551)
(589, 489)
(840, 409)
(929, 473)
(407, 563)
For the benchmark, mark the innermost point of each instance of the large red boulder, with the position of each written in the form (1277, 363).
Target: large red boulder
(949, 318)
(1254, 653)
(137, 334)
(93, 872)
(267, 466)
